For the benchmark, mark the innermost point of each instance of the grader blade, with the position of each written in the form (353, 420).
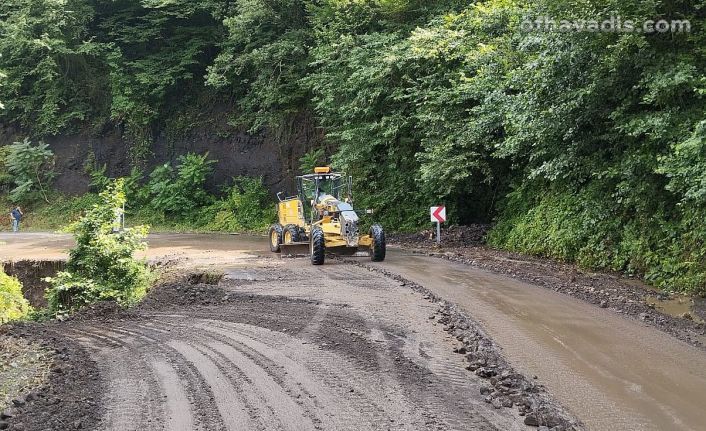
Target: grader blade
(295, 249)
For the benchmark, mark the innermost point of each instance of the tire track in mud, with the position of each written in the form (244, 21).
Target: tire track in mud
(327, 393)
(129, 398)
(218, 356)
(180, 395)
(232, 409)
(201, 406)
(257, 361)
(331, 383)
(178, 411)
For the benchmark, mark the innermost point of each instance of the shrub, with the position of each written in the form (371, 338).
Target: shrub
(31, 169)
(5, 177)
(311, 159)
(13, 305)
(180, 191)
(667, 249)
(97, 174)
(246, 206)
(102, 265)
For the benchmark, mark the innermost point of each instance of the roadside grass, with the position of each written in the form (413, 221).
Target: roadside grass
(54, 216)
(64, 210)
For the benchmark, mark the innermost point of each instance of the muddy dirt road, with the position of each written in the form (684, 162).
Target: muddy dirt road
(278, 345)
(198, 248)
(613, 373)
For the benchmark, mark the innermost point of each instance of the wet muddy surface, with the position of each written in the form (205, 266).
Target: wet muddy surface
(273, 345)
(51, 246)
(680, 306)
(677, 315)
(614, 373)
(591, 339)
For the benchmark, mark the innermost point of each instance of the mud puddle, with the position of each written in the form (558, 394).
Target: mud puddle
(680, 306)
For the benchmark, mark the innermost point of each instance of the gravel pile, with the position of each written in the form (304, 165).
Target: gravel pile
(66, 400)
(452, 236)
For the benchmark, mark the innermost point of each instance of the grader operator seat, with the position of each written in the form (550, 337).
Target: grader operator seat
(322, 190)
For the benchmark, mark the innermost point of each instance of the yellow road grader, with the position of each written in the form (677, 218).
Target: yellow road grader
(320, 219)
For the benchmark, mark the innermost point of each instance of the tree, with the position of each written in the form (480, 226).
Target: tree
(30, 168)
(102, 265)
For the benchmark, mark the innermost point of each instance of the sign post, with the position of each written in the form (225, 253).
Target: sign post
(438, 215)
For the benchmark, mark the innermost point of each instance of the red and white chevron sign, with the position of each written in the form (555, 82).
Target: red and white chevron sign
(438, 214)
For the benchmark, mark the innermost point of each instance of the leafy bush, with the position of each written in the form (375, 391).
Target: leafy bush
(31, 169)
(246, 206)
(5, 177)
(99, 181)
(181, 191)
(102, 265)
(667, 249)
(13, 305)
(310, 160)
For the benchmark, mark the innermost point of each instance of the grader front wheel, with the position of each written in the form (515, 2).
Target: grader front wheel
(317, 245)
(378, 246)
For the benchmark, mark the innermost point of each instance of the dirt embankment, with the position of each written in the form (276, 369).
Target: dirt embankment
(275, 344)
(32, 274)
(272, 154)
(67, 395)
(628, 296)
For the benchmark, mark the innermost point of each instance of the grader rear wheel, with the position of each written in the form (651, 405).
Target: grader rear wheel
(291, 234)
(275, 235)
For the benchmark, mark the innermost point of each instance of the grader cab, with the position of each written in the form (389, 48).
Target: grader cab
(320, 219)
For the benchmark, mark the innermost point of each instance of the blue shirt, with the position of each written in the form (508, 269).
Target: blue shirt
(17, 215)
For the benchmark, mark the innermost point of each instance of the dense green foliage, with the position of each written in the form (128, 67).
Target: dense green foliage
(102, 265)
(176, 198)
(584, 146)
(13, 305)
(179, 191)
(26, 169)
(246, 206)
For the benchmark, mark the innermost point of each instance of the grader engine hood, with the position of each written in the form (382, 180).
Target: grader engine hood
(349, 224)
(347, 218)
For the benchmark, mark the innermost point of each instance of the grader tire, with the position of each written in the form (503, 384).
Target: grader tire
(378, 247)
(291, 234)
(318, 246)
(275, 235)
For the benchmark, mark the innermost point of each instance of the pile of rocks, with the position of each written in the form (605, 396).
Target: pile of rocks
(452, 236)
(505, 387)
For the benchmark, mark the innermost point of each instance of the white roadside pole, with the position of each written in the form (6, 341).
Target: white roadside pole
(438, 215)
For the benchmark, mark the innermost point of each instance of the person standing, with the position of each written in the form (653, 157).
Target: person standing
(16, 215)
